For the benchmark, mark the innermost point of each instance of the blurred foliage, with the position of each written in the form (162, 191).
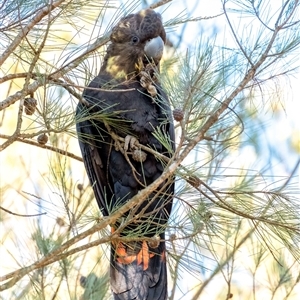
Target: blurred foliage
(234, 231)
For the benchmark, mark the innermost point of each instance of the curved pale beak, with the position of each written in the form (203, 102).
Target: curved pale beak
(154, 48)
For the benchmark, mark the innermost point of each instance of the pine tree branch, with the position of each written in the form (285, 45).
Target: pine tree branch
(24, 31)
(159, 3)
(56, 75)
(21, 215)
(51, 148)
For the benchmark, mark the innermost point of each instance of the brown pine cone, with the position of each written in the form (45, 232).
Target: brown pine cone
(139, 155)
(42, 139)
(178, 114)
(154, 242)
(80, 186)
(30, 105)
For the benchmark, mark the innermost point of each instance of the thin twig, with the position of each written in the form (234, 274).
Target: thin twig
(159, 3)
(20, 215)
(55, 75)
(222, 265)
(223, 204)
(51, 148)
(24, 31)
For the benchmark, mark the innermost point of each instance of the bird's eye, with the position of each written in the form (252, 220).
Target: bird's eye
(135, 39)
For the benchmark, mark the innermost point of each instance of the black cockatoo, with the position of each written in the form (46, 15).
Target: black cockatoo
(127, 92)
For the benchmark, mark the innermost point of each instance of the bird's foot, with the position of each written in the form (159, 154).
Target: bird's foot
(129, 142)
(147, 83)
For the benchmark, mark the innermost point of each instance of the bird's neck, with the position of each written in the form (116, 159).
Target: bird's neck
(122, 63)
